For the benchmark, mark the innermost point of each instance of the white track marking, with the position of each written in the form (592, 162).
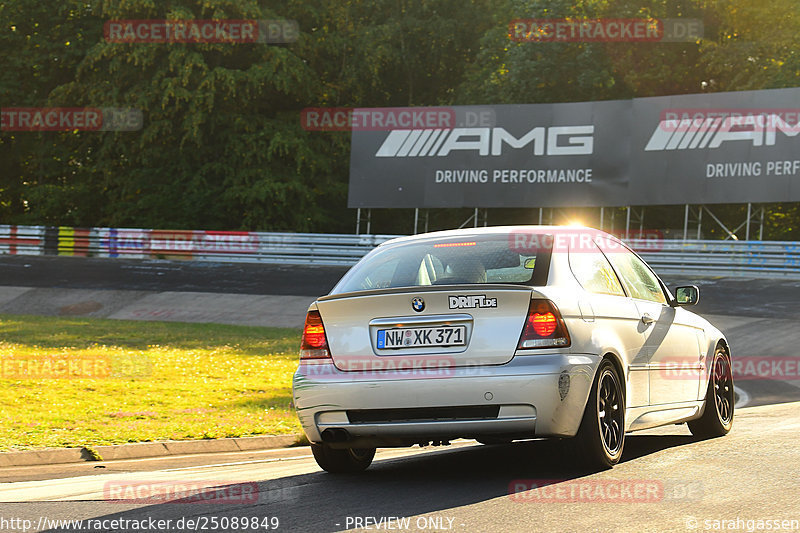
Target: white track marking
(744, 398)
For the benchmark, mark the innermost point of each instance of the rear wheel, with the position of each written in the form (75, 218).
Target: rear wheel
(717, 418)
(601, 436)
(344, 461)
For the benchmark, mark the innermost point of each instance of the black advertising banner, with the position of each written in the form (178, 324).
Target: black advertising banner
(733, 147)
(714, 148)
(498, 156)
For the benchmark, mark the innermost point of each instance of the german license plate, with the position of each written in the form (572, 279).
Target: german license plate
(422, 337)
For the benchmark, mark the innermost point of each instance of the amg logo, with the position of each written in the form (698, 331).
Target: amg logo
(471, 302)
(556, 140)
(712, 132)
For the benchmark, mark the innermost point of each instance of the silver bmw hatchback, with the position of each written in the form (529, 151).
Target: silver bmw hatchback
(505, 333)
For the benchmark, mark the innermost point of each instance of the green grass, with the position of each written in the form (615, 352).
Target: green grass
(151, 381)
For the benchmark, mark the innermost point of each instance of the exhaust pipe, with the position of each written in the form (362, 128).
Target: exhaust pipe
(335, 435)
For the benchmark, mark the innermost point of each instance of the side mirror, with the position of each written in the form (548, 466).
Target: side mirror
(688, 295)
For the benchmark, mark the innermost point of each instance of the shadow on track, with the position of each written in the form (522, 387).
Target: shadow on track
(432, 484)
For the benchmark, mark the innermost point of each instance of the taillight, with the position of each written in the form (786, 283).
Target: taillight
(544, 327)
(314, 344)
(544, 324)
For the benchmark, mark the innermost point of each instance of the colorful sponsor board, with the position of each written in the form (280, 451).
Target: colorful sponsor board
(176, 243)
(132, 243)
(188, 243)
(74, 241)
(22, 240)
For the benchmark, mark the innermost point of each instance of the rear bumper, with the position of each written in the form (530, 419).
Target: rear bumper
(540, 395)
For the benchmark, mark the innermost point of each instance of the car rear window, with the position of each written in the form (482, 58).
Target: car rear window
(478, 259)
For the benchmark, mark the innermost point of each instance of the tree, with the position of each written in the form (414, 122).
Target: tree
(41, 44)
(753, 45)
(222, 146)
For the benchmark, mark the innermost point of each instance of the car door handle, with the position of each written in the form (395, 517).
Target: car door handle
(647, 319)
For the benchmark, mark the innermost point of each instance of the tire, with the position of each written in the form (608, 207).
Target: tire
(601, 436)
(345, 461)
(717, 418)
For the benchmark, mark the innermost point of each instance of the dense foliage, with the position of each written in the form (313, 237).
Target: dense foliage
(222, 146)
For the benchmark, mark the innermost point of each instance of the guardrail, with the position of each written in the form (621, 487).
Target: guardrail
(771, 259)
(225, 246)
(761, 259)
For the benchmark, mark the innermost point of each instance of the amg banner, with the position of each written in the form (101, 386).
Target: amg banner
(690, 149)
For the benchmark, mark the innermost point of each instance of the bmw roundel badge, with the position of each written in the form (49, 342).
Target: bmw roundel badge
(418, 304)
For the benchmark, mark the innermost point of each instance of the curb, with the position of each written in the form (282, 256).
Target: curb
(144, 450)
(260, 310)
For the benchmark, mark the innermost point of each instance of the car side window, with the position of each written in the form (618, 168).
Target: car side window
(593, 272)
(638, 279)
